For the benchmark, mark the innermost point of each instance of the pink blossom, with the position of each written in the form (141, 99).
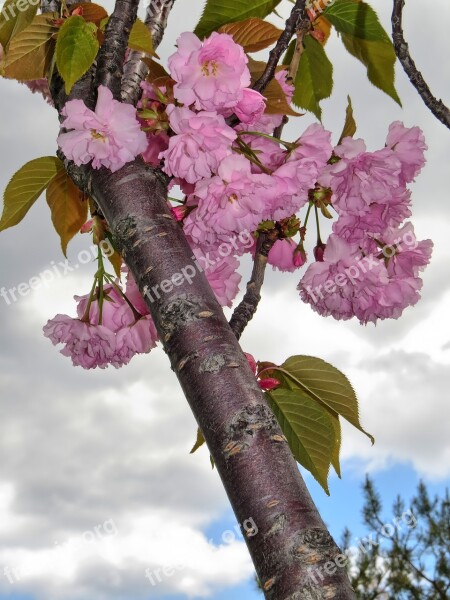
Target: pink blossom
(250, 107)
(156, 144)
(211, 75)
(231, 202)
(348, 283)
(224, 279)
(133, 294)
(267, 123)
(268, 152)
(361, 178)
(285, 256)
(361, 230)
(409, 146)
(116, 313)
(299, 174)
(314, 144)
(286, 84)
(405, 255)
(138, 338)
(344, 284)
(89, 346)
(203, 141)
(109, 137)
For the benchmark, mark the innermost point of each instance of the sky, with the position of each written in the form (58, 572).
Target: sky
(99, 497)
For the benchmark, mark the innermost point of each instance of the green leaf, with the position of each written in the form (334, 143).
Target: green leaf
(314, 79)
(13, 20)
(327, 385)
(357, 19)
(337, 446)
(252, 34)
(199, 441)
(25, 188)
(379, 59)
(308, 428)
(76, 49)
(350, 124)
(68, 207)
(30, 52)
(221, 12)
(287, 58)
(140, 38)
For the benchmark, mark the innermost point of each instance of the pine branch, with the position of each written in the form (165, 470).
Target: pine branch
(437, 107)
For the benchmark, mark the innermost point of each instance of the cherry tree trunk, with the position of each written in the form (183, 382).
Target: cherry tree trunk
(293, 551)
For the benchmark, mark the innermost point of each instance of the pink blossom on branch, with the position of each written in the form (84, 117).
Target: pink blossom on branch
(110, 336)
(250, 107)
(203, 140)
(409, 146)
(361, 178)
(285, 256)
(348, 283)
(231, 202)
(89, 346)
(110, 136)
(210, 75)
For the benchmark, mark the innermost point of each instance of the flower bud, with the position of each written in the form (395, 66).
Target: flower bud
(319, 251)
(270, 383)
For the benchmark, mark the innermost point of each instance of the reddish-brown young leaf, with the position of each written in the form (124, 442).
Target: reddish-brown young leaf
(252, 34)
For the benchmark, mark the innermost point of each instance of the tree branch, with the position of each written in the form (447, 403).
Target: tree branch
(252, 456)
(297, 21)
(136, 70)
(246, 310)
(112, 53)
(437, 107)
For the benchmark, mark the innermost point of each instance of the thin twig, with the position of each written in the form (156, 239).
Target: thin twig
(112, 53)
(245, 311)
(437, 107)
(295, 62)
(136, 70)
(298, 20)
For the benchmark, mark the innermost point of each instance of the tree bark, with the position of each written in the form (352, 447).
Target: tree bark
(252, 456)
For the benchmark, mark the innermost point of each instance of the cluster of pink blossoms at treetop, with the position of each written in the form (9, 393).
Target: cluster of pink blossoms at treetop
(240, 179)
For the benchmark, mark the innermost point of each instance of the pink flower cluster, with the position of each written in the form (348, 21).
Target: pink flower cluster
(235, 178)
(110, 136)
(112, 335)
(370, 267)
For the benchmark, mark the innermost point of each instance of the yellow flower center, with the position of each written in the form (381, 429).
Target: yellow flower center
(233, 198)
(98, 136)
(209, 67)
